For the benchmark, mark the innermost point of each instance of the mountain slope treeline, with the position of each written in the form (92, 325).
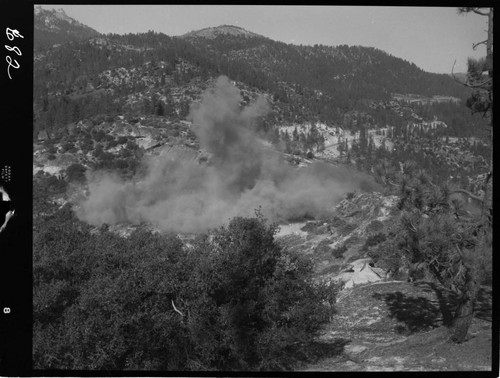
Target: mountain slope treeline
(314, 83)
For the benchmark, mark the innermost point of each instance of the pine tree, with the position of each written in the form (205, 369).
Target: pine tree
(286, 137)
(341, 149)
(147, 106)
(435, 240)
(160, 111)
(481, 100)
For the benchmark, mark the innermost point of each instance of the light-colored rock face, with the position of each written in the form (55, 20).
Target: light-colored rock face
(359, 272)
(353, 351)
(336, 135)
(50, 169)
(336, 244)
(291, 229)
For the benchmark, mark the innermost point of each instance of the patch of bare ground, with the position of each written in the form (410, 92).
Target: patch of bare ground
(402, 326)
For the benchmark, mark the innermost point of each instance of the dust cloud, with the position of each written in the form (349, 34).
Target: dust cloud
(182, 195)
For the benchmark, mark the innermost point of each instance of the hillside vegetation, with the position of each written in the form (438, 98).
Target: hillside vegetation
(222, 201)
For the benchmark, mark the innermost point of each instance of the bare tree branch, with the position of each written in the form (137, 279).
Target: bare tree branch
(412, 227)
(475, 10)
(465, 10)
(392, 183)
(465, 83)
(453, 74)
(175, 309)
(473, 196)
(479, 85)
(475, 45)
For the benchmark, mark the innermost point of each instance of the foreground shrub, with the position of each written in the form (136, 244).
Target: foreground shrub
(234, 300)
(263, 305)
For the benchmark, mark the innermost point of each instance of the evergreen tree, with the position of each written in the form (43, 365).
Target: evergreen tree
(434, 239)
(160, 109)
(286, 137)
(341, 148)
(481, 100)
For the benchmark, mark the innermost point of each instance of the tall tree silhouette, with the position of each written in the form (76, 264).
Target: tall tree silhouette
(480, 80)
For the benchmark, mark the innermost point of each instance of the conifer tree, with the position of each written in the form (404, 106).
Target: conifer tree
(480, 79)
(435, 240)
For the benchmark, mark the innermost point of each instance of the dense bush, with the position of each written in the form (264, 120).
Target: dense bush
(108, 138)
(242, 302)
(112, 143)
(131, 145)
(350, 195)
(68, 147)
(374, 226)
(86, 145)
(347, 228)
(261, 298)
(45, 186)
(75, 173)
(339, 251)
(336, 222)
(352, 240)
(51, 149)
(323, 248)
(373, 240)
(99, 135)
(122, 139)
(98, 151)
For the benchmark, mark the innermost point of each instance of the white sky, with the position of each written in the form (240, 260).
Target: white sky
(431, 37)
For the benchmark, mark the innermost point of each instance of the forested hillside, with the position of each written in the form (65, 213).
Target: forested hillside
(223, 201)
(308, 82)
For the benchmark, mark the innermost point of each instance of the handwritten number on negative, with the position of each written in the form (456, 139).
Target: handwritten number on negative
(11, 34)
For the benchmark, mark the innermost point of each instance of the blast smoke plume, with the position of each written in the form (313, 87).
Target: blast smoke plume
(182, 195)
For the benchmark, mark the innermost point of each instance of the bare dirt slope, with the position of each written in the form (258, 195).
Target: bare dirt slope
(402, 326)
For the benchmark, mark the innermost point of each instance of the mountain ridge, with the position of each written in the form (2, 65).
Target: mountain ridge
(53, 27)
(312, 84)
(213, 32)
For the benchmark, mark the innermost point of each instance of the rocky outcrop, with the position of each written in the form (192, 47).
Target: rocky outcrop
(337, 244)
(360, 272)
